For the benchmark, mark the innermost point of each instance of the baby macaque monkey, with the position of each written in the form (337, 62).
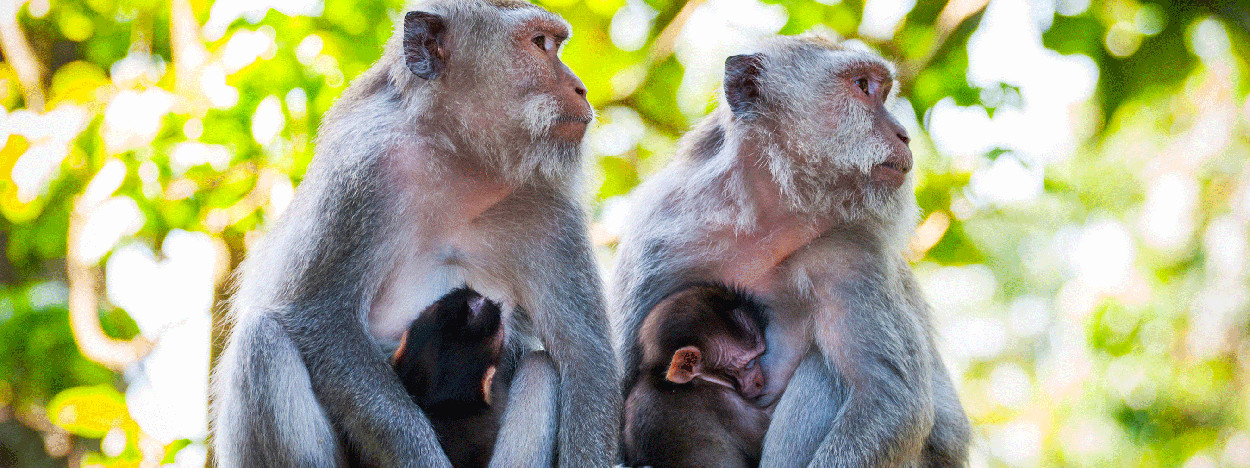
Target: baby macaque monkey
(447, 361)
(695, 401)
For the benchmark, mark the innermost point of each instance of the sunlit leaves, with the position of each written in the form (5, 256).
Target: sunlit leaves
(78, 82)
(88, 411)
(13, 207)
(842, 17)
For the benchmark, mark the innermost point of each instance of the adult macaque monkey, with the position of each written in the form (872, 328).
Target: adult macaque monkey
(452, 161)
(795, 190)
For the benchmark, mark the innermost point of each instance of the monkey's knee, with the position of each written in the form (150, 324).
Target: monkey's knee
(535, 385)
(538, 368)
(804, 415)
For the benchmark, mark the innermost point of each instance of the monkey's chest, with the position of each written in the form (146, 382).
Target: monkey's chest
(762, 262)
(419, 281)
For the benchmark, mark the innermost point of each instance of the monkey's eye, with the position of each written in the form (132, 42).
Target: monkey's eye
(864, 85)
(544, 42)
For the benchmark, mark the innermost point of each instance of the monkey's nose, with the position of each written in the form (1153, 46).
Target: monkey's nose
(902, 135)
(580, 90)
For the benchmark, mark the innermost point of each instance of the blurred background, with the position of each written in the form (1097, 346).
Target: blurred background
(1082, 174)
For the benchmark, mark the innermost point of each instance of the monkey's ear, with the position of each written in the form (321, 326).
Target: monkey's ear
(399, 352)
(685, 366)
(742, 87)
(488, 380)
(423, 44)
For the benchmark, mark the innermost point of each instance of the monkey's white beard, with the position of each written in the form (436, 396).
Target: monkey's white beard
(554, 160)
(517, 142)
(824, 171)
(539, 113)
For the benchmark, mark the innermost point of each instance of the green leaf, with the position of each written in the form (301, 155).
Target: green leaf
(88, 411)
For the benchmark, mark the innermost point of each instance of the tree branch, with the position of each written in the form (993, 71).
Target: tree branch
(20, 56)
(84, 312)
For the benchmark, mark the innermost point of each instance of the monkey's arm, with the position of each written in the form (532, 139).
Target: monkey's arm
(643, 276)
(558, 283)
(876, 344)
(321, 313)
(947, 444)
(360, 391)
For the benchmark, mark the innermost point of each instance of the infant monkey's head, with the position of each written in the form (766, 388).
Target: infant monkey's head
(448, 356)
(707, 334)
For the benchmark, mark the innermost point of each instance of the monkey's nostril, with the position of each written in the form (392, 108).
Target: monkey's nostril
(904, 137)
(580, 91)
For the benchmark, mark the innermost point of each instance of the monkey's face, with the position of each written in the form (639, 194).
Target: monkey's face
(729, 361)
(553, 98)
(546, 99)
(738, 352)
(500, 89)
(862, 88)
(820, 115)
(710, 333)
(738, 360)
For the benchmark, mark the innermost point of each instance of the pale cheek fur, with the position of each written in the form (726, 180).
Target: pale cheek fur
(538, 114)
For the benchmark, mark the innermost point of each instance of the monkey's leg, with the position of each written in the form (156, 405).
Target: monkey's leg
(874, 338)
(527, 435)
(266, 412)
(807, 409)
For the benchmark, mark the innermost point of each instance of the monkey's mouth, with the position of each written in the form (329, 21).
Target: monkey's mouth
(570, 127)
(896, 165)
(893, 172)
(572, 119)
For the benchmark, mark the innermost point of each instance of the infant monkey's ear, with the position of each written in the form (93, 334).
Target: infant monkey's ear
(487, 380)
(686, 365)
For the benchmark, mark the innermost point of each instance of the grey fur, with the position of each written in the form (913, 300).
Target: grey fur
(784, 207)
(409, 195)
(811, 400)
(528, 416)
